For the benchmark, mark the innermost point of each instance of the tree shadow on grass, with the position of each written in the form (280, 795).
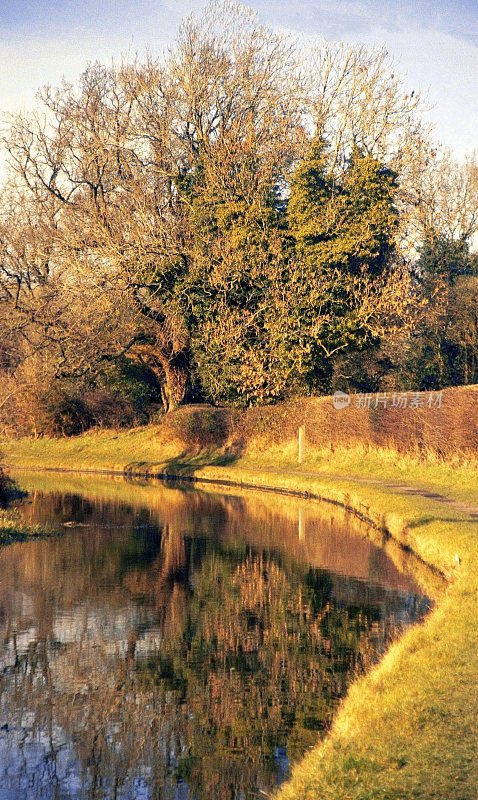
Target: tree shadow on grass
(188, 462)
(427, 520)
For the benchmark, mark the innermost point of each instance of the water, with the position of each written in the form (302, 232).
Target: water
(181, 644)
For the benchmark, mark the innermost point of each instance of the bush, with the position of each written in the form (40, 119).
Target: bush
(200, 426)
(109, 409)
(8, 489)
(123, 396)
(61, 414)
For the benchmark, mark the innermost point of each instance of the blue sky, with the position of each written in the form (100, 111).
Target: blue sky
(435, 42)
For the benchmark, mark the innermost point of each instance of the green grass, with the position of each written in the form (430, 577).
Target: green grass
(407, 730)
(13, 530)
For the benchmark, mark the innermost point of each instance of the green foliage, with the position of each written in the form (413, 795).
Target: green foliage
(349, 225)
(238, 287)
(447, 258)
(123, 394)
(311, 206)
(131, 380)
(274, 292)
(370, 214)
(446, 347)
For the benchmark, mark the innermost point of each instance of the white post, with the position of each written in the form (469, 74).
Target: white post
(301, 444)
(301, 524)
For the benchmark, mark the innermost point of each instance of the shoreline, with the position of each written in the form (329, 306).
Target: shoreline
(230, 483)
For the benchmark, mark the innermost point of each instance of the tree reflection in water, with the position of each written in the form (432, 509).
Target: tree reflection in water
(189, 649)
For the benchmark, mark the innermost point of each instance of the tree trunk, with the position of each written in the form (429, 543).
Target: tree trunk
(177, 381)
(168, 359)
(172, 371)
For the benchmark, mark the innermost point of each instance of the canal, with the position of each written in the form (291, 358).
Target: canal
(182, 644)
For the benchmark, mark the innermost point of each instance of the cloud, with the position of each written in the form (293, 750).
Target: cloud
(431, 42)
(338, 18)
(445, 67)
(42, 40)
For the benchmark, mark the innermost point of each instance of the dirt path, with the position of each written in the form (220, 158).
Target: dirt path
(458, 505)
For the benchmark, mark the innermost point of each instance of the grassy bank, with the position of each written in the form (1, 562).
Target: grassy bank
(13, 530)
(408, 729)
(164, 449)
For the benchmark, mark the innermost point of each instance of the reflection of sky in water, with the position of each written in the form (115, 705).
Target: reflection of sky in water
(47, 772)
(129, 652)
(97, 627)
(42, 764)
(58, 776)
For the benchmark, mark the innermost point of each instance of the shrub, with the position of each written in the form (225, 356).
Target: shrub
(8, 489)
(199, 426)
(109, 409)
(61, 414)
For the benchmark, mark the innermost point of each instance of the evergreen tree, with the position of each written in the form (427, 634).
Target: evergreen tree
(311, 211)
(370, 219)
(446, 349)
(348, 225)
(276, 290)
(447, 258)
(343, 233)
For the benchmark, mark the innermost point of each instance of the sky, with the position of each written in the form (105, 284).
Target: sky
(434, 42)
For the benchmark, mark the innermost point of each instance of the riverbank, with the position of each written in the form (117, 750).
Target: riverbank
(408, 729)
(11, 529)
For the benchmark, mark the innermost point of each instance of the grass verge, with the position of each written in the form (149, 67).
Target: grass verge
(407, 730)
(11, 528)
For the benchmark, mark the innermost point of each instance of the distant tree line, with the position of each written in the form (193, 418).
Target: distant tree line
(238, 223)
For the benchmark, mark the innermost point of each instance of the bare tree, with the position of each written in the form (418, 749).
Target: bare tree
(445, 197)
(109, 253)
(110, 155)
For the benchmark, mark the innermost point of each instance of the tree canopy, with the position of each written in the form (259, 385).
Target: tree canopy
(237, 222)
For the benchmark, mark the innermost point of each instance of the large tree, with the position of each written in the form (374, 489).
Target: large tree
(116, 152)
(162, 191)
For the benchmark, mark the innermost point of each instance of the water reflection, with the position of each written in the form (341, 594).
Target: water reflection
(176, 644)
